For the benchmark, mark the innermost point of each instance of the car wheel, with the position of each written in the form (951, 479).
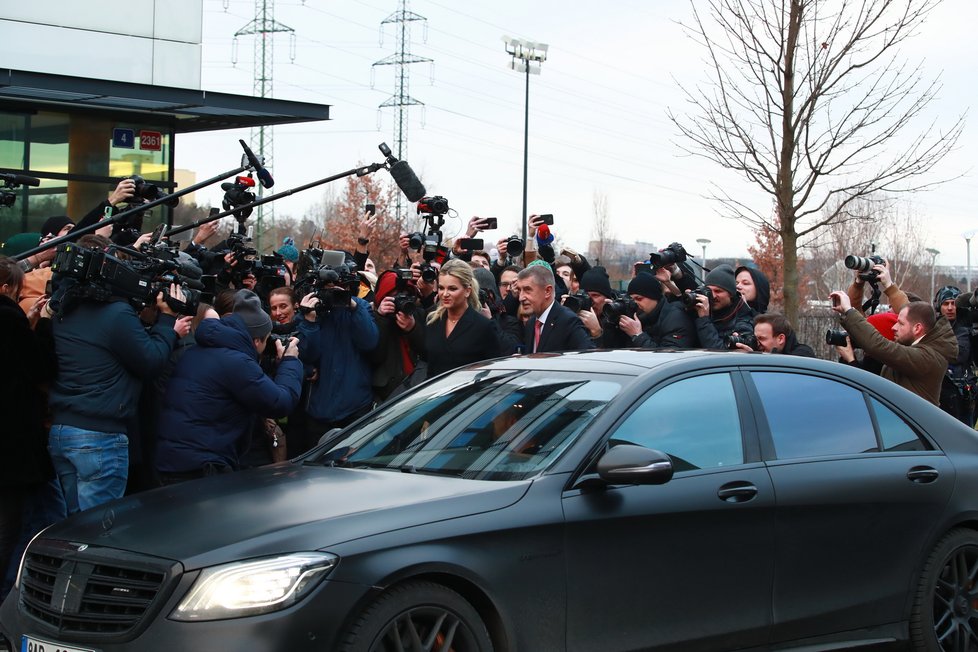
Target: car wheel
(419, 617)
(945, 610)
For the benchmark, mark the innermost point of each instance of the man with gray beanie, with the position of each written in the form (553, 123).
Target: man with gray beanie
(726, 314)
(217, 391)
(660, 323)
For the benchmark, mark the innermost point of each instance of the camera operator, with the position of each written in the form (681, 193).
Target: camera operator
(880, 272)
(336, 341)
(606, 335)
(661, 323)
(551, 327)
(104, 354)
(959, 386)
(726, 315)
(775, 335)
(218, 389)
(918, 356)
(399, 318)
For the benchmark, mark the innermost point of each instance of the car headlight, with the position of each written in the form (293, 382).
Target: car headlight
(256, 586)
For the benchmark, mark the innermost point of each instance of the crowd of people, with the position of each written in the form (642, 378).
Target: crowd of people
(104, 399)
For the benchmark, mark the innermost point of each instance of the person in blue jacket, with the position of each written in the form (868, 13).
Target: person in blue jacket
(336, 342)
(217, 391)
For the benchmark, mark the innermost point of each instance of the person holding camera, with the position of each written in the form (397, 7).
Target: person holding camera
(399, 316)
(922, 345)
(960, 383)
(774, 334)
(337, 341)
(551, 327)
(104, 355)
(218, 389)
(725, 314)
(660, 323)
(878, 277)
(602, 328)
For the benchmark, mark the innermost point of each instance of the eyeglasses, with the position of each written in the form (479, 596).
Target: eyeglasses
(506, 284)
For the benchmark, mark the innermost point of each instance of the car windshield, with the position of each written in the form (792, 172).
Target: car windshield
(483, 425)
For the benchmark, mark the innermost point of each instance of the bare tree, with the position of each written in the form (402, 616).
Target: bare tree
(809, 100)
(602, 234)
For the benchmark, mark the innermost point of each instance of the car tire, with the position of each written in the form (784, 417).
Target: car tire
(944, 608)
(417, 617)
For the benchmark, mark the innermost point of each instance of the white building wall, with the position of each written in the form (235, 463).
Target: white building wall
(140, 41)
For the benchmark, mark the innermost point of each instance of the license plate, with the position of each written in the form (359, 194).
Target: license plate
(31, 644)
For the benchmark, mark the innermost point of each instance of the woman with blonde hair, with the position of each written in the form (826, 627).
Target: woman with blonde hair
(457, 330)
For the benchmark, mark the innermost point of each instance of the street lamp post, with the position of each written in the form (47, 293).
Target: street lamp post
(703, 242)
(933, 259)
(967, 239)
(525, 54)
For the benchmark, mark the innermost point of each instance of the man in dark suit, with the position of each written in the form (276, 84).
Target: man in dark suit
(552, 327)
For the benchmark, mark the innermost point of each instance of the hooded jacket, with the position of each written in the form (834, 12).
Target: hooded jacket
(716, 327)
(216, 391)
(763, 287)
(668, 326)
(920, 367)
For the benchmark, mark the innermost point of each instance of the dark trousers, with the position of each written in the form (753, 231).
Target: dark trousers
(314, 429)
(206, 471)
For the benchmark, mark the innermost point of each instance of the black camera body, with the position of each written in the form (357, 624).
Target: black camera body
(147, 192)
(673, 254)
(406, 298)
(83, 273)
(328, 276)
(578, 301)
(238, 194)
(864, 266)
(436, 205)
(747, 338)
(621, 304)
(689, 298)
(515, 246)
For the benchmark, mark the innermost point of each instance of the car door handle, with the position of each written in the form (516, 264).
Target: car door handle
(923, 474)
(737, 492)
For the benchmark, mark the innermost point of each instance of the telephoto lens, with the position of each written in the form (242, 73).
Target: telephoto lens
(836, 337)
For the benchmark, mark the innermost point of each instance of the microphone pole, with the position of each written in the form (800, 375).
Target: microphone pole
(74, 234)
(360, 172)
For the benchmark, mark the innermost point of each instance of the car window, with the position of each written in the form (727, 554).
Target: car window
(895, 433)
(694, 421)
(812, 416)
(479, 424)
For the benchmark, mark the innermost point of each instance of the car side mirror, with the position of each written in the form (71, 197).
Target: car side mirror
(629, 464)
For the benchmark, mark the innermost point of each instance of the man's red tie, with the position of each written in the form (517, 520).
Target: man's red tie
(537, 327)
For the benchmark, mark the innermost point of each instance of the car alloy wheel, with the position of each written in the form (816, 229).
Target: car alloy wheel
(945, 613)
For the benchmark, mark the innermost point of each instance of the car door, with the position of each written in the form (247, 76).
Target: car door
(690, 560)
(859, 493)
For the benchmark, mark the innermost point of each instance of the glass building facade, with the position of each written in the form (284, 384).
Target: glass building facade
(79, 157)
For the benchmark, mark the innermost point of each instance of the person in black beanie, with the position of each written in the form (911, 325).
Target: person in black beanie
(661, 323)
(726, 314)
(596, 283)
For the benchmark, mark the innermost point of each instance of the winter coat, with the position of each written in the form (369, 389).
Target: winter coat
(919, 368)
(668, 326)
(104, 354)
(337, 344)
(216, 391)
(714, 329)
(27, 358)
(793, 347)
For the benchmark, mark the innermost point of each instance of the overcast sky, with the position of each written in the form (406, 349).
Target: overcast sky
(597, 113)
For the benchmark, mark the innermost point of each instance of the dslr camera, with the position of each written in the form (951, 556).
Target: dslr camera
(864, 266)
(689, 298)
(578, 301)
(673, 254)
(747, 338)
(621, 304)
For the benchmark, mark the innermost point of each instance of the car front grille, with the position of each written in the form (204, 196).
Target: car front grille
(80, 590)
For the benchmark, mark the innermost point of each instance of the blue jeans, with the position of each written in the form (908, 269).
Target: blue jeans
(92, 466)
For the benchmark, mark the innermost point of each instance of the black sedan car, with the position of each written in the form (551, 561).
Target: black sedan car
(608, 500)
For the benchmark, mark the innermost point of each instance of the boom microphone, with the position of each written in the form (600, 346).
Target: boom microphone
(407, 181)
(263, 175)
(19, 179)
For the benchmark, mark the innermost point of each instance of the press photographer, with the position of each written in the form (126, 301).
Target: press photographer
(400, 326)
(601, 319)
(960, 383)
(104, 355)
(723, 318)
(660, 323)
(774, 335)
(921, 349)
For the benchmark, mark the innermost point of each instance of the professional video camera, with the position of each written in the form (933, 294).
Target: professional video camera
(621, 304)
(864, 266)
(10, 183)
(92, 274)
(268, 269)
(689, 298)
(238, 194)
(433, 209)
(673, 254)
(578, 301)
(329, 275)
(747, 338)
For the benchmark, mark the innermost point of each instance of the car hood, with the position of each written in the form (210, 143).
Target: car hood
(282, 508)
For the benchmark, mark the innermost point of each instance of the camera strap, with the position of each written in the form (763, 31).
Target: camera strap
(871, 304)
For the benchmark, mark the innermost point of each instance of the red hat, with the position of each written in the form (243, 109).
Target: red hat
(883, 322)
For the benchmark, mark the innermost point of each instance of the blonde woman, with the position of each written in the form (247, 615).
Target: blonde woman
(457, 333)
